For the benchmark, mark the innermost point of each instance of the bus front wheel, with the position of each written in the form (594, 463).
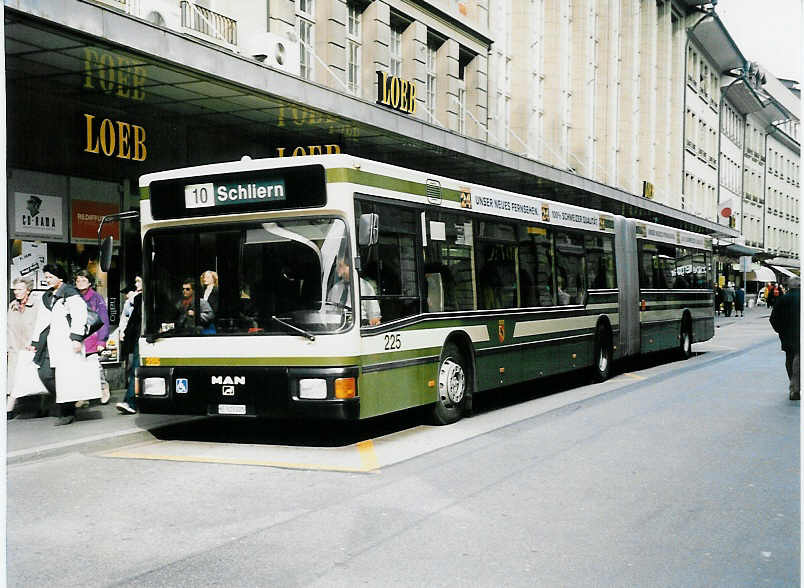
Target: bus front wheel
(453, 386)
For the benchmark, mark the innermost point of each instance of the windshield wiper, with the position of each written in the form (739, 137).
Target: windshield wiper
(294, 328)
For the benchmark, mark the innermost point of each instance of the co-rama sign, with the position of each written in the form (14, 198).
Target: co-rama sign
(210, 194)
(395, 92)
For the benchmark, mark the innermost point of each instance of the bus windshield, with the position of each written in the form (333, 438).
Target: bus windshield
(261, 277)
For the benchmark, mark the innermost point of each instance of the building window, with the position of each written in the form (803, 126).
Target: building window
(396, 52)
(430, 90)
(353, 42)
(305, 25)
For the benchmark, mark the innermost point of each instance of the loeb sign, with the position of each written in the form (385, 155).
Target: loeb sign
(395, 92)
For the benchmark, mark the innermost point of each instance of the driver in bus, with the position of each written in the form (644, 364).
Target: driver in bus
(341, 293)
(185, 309)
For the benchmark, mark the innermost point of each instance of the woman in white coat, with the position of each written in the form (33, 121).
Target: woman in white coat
(59, 345)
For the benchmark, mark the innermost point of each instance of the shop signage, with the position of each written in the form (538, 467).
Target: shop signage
(115, 139)
(113, 75)
(86, 215)
(308, 150)
(38, 214)
(397, 93)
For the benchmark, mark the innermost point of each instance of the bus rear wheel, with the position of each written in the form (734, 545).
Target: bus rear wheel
(454, 385)
(602, 369)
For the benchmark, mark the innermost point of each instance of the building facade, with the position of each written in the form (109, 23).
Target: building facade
(622, 99)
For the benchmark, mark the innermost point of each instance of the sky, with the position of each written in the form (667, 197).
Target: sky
(767, 31)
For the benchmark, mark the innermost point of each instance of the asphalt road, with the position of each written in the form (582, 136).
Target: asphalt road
(671, 474)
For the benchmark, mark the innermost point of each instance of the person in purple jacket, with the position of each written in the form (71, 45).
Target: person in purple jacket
(96, 342)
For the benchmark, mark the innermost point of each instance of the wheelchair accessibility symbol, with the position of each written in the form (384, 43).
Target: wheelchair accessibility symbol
(181, 386)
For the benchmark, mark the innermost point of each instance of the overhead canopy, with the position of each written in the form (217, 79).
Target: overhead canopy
(761, 274)
(737, 250)
(784, 271)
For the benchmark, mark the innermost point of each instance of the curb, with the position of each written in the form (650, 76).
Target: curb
(93, 443)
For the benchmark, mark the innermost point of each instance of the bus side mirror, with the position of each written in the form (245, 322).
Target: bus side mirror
(106, 254)
(368, 229)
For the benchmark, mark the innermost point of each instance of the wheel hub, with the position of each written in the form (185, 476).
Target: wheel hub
(603, 361)
(451, 383)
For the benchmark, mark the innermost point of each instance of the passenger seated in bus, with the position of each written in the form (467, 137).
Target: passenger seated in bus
(186, 317)
(341, 293)
(209, 281)
(246, 311)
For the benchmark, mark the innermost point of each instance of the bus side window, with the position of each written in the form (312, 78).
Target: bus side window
(600, 261)
(570, 269)
(647, 253)
(451, 259)
(390, 265)
(536, 266)
(497, 253)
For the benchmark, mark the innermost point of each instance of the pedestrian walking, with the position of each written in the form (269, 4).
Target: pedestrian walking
(130, 347)
(772, 294)
(786, 320)
(21, 321)
(718, 299)
(728, 298)
(96, 342)
(739, 302)
(58, 339)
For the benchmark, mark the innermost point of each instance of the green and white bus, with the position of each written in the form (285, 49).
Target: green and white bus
(462, 289)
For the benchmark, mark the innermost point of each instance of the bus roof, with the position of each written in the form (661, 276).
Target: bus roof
(483, 199)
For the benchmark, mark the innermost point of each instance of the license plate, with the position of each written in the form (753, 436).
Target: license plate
(231, 409)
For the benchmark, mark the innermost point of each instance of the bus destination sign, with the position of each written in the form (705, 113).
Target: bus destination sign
(212, 194)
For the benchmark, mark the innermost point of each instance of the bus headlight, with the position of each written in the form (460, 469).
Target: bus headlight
(154, 387)
(313, 388)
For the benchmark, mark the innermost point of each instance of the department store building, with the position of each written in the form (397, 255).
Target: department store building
(100, 92)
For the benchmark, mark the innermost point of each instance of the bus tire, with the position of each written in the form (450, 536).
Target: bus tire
(454, 385)
(685, 344)
(603, 355)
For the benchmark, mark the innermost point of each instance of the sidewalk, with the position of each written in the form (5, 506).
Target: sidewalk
(96, 427)
(102, 427)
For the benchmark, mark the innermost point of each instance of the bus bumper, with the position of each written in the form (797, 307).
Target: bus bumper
(247, 392)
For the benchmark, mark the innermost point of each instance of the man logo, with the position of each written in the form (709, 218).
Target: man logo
(228, 391)
(236, 381)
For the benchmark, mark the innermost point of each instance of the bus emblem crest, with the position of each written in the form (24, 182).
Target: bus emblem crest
(545, 213)
(501, 330)
(466, 199)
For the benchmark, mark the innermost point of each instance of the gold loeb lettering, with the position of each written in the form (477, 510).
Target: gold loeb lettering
(113, 75)
(395, 92)
(113, 134)
(310, 150)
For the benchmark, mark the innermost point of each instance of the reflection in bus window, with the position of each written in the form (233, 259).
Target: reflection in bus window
(600, 261)
(497, 280)
(536, 266)
(390, 265)
(570, 269)
(448, 262)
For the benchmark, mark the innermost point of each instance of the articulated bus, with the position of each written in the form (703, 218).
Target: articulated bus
(461, 288)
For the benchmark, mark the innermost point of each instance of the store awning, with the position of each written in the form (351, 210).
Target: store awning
(738, 250)
(761, 274)
(784, 271)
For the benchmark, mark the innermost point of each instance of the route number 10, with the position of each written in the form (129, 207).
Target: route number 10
(199, 195)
